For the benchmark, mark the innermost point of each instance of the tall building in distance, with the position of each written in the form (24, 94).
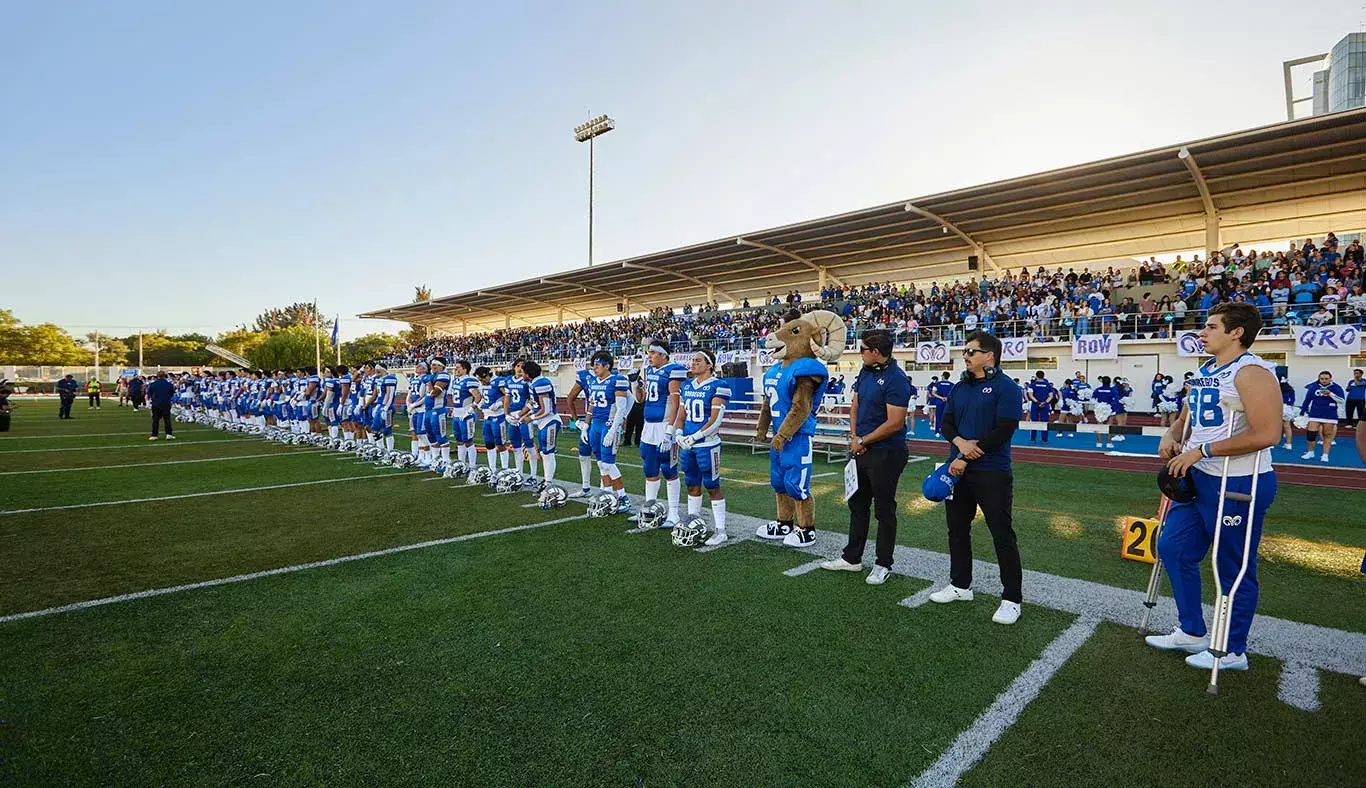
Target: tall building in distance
(1339, 81)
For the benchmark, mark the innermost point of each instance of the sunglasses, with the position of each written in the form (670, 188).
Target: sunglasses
(971, 351)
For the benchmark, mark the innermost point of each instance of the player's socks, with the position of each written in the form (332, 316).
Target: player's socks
(718, 514)
(493, 460)
(651, 489)
(504, 459)
(521, 456)
(694, 505)
(548, 463)
(331, 432)
(389, 442)
(586, 471)
(671, 487)
(446, 454)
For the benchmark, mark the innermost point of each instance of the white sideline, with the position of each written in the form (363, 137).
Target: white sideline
(83, 435)
(206, 494)
(165, 462)
(158, 444)
(271, 572)
(974, 742)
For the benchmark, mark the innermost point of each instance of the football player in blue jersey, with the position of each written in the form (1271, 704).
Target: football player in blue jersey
(464, 396)
(516, 393)
(582, 378)
(542, 414)
(337, 387)
(698, 421)
(417, 413)
(939, 397)
(609, 402)
(490, 410)
(436, 401)
(1042, 397)
(661, 385)
(352, 384)
(312, 394)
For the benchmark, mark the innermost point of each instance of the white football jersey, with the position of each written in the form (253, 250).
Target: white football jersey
(1208, 403)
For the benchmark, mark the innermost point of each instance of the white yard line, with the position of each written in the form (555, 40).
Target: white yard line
(206, 494)
(974, 742)
(281, 571)
(158, 444)
(82, 435)
(166, 462)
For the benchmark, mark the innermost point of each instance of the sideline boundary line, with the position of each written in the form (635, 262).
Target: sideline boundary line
(166, 462)
(206, 494)
(140, 445)
(109, 600)
(83, 435)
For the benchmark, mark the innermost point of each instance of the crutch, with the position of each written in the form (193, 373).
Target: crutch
(1223, 603)
(1154, 579)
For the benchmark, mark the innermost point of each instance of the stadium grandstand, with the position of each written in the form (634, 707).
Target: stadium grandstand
(1045, 256)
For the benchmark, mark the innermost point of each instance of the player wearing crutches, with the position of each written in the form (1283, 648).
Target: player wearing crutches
(1234, 410)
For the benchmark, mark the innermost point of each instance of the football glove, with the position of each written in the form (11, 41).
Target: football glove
(609, 439)
(685, 441)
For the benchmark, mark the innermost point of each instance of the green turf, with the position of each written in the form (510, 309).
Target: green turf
(574, 654)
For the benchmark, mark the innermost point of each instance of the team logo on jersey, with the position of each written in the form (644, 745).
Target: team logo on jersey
(986, 390)
(1233, 521)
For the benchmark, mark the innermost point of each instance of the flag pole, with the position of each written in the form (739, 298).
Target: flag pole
(317, 339)
(336, 327)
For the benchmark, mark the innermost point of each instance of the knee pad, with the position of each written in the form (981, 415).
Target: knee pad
(610, 470)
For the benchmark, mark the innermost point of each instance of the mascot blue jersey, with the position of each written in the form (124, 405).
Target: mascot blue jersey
(657, 389)
(780, 383)
(602, 395)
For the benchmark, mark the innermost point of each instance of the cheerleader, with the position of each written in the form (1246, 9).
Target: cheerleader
(1288, 413)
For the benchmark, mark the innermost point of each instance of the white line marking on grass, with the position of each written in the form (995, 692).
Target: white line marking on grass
(205, 494)
(917, 599)
(823, 475)
(83, 435)
(496, 494)
(917, 458)
(281, 571)
(809, 566)
(157, 445)
(165, 462)
(1299, 686)
(434, 479)
(974, 742)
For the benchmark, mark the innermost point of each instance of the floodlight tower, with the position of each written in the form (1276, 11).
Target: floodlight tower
(587, 132)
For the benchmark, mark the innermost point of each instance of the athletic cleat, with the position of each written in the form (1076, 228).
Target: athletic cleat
(800, 537)
(1007, 613)
(878, 576)
(668, 525)
(1204, 660)
(841, 565)
(1178, 641)
(717, 538)
(773, 530)
(623, 505)
(584, 493)
(951, 593)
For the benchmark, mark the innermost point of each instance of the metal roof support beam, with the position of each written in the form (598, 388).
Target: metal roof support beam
(710, 287)
(560, 307)
(978, 248)
(618, 296)
(1212, 240)
(821, 273)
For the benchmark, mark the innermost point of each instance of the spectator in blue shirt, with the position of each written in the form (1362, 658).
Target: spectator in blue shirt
(161, 392)
(980, 419)
(66, 394)
(1356, 397)
(882, 395)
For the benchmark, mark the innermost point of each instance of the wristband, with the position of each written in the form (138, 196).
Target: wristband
(1204, 451)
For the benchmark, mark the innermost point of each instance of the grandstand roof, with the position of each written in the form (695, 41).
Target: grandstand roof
(1287, 180)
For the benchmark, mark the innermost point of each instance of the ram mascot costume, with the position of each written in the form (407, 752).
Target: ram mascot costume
(793, 387)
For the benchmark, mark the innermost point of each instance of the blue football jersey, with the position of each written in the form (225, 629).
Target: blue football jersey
(493, 398)
(462, 390)
(518, 392)
(543, 391)
(696, 402)
(657, 389)
(602, 395)
(434, 398)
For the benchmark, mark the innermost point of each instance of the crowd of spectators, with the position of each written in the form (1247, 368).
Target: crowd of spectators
(1307, 284)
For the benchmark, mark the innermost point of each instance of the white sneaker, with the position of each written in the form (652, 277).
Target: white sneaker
(773, 530)
(1204, 660)
(1007, 613)
(800, 537)
(1117, 438)
(841, 565)
(1309, 455)
(951, 593)
(1178, 641)
(878, 576)
(170, 437)
(152, 438)
(1324, 458)
(717, 538)
(1287, 447)
(584, 493)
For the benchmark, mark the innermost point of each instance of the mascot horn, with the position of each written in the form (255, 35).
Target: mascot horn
(801, 347)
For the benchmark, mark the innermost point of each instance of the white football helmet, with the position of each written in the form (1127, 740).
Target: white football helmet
(507, 480)
(603, 504)
(552, 497)
(692, 532)
(651, 515)
(480, 474)
(401, 459)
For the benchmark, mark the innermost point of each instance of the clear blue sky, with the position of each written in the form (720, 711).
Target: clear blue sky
(187, 164)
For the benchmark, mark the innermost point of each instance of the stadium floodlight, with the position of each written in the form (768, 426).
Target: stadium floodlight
(587, 132)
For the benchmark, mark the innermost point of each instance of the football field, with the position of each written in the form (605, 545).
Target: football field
(223, 610)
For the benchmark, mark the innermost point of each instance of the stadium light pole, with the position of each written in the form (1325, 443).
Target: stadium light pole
(587, 132)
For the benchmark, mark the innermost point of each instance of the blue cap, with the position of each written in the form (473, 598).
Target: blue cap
(939, 484)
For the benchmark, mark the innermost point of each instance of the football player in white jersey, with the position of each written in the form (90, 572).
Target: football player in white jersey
(417, 415)
(1234, 411)
(542, 414)
(661, 383)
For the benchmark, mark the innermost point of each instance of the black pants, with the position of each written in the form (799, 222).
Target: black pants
(94, 399)
(635, 422)
(1356, 410)
(160, 412)
(138, 400)
(64, 410)
(994, 492)
(879, 470)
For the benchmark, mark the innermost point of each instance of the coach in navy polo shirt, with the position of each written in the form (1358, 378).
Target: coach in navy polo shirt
(882, 393)
(980, 418)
